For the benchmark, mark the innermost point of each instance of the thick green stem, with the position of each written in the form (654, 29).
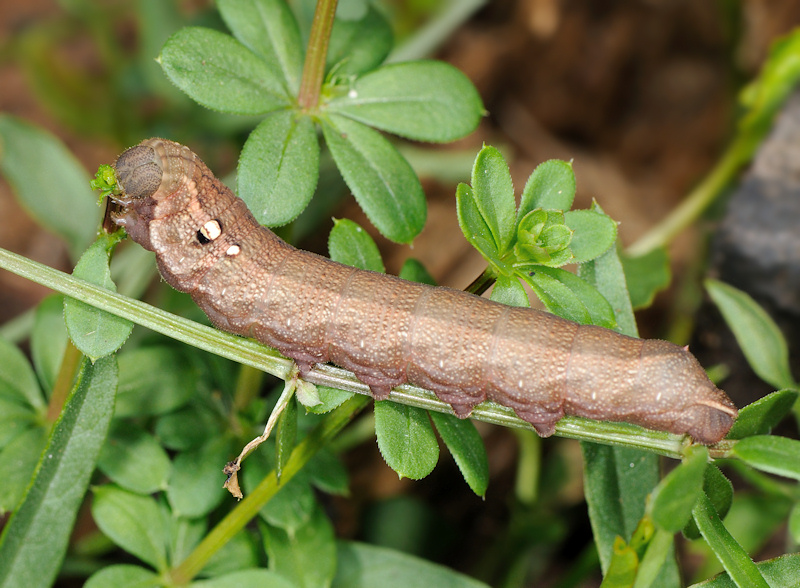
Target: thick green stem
(316, 54)
(482, 283)
(248, 508)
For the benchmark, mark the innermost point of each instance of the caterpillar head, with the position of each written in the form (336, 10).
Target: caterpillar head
(691, 402)
(139, 172)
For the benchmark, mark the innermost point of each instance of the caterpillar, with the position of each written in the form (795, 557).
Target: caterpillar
(389, 331)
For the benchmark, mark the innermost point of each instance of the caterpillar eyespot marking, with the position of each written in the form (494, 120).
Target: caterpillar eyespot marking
(462, 347)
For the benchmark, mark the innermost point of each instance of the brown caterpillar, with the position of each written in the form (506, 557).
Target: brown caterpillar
(389, 331)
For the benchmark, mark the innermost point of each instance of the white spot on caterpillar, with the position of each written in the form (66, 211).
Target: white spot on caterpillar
(288, 322)
(361, 343)
(441, 363)
(211, 230)
(658, 396)
(223, 292)
(233, 251)
(594, 395)
(519, 384)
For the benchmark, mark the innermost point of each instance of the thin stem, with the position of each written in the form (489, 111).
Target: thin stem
(316, 54)
(248, 508)
(695, 203)
(63, 384)
(248, 385)
(482, 283)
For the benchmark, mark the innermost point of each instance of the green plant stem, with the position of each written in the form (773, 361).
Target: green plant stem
(247, 387)
(482, 283)
(316, 54)
(248, 508)
(696, 202)
(252, 353)
(70, 364)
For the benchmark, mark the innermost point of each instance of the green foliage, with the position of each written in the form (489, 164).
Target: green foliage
(532, 242)
(179, 414)
(258, 72)
(35, 538)
(95, 332)
(33, 162)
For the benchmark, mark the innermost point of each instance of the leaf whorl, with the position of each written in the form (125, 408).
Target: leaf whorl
(389, 331)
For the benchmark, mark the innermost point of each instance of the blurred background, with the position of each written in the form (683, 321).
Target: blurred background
(641, 95)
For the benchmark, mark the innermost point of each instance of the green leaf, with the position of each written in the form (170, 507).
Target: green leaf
(246, 579)
(675, 496)
(622, 567)
(759, 417)
(406, 439)
(594, 234)
(20, 456)
(124, 576)
(794, 523)
(646, 275)
(330, 398)
(15, 419)
(551, 186)
(268, 28)
(618, 480)
(49, 339)
(420, 100)
(414, 271)
(605, 273)
(35, 539)
(493, 193)
(720, 490)
(756, 333)
(240, 553)
(382, 182)
(133, 459)
(474, 226)
(95, 332)
(291, 507)
(658, 557)
(730, 554)
(220, 73)
(358, 46)
(195, 486)
(766, 94)
(133, 522)
(467, 448)
(780, 572)
(293, 504)
(570, 297)
(508, 290)
(367, 565)
(307, 556)
(17, 380)
(351, 245)
(154, 380)
(49, 182)
(776, 455)
(187, 427)
(183, 534)
(279, 167)
(326, 472)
